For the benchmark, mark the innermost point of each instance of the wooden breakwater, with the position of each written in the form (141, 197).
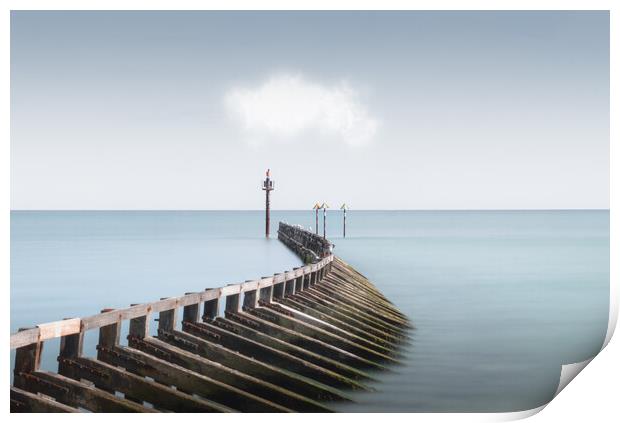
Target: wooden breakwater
(288, 342)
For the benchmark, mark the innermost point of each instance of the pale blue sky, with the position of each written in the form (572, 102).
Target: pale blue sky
(388, 110)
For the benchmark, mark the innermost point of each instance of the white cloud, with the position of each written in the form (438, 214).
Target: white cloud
(288, 105)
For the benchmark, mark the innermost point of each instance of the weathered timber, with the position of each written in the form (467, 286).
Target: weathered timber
(294, 324)
(213, 351)
(185, 380)
(346, 281)
(356, 322)
(335, 327)
(27, 360)
(286, 343)
(316, 306)
(366, 308)
(318, 359)
(162, 397)
(201, 365)
(79, 395)
(273, 356)
(360, 297)
(269, 326)
(352, 311)
(27, 402)
(328, 303)
(342, 322)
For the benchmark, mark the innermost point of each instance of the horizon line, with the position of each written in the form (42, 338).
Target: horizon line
(308, 210)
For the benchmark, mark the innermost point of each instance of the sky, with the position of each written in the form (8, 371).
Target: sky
(379, 110)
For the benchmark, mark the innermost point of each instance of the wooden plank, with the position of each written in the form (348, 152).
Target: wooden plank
(57, 329)
(271, 328)
(350, 310)
(111, 378)
(340, 295)
(334, 316)
(27, 402)
(318, 359)
(24, 337)
(230, 376)
(334, 326)
(186, 380)
(112, 316)
(248, 365)
(230, 290)
(266, 281)
(360, 291)
(250, 285)
(266, 354)
(80, 395)
(315, 332)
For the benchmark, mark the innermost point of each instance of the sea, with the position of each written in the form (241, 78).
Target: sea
(500, 300)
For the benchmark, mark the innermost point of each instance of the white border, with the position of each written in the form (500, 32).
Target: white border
(591, 397)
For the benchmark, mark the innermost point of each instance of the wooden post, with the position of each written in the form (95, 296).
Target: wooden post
(167, 320)
(299, 284)
(71, 346)
(27, 360)
(211, 308)
(109, 336)
(232, 303)
(139, 326)
(266, 294)
(250, 298)
(278, 290)
(191, 312)
(289, 288)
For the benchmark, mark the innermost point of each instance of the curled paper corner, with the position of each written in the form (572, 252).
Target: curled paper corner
(569, 372)
(613, 316)
(518, 415)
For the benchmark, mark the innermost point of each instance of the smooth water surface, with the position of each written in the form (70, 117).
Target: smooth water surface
(500, 299)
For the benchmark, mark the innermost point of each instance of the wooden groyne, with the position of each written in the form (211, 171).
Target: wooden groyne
(289, 342)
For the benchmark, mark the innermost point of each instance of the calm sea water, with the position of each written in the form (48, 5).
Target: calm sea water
(500, 300)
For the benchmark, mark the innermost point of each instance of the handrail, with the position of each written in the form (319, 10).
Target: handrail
(60, 328)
